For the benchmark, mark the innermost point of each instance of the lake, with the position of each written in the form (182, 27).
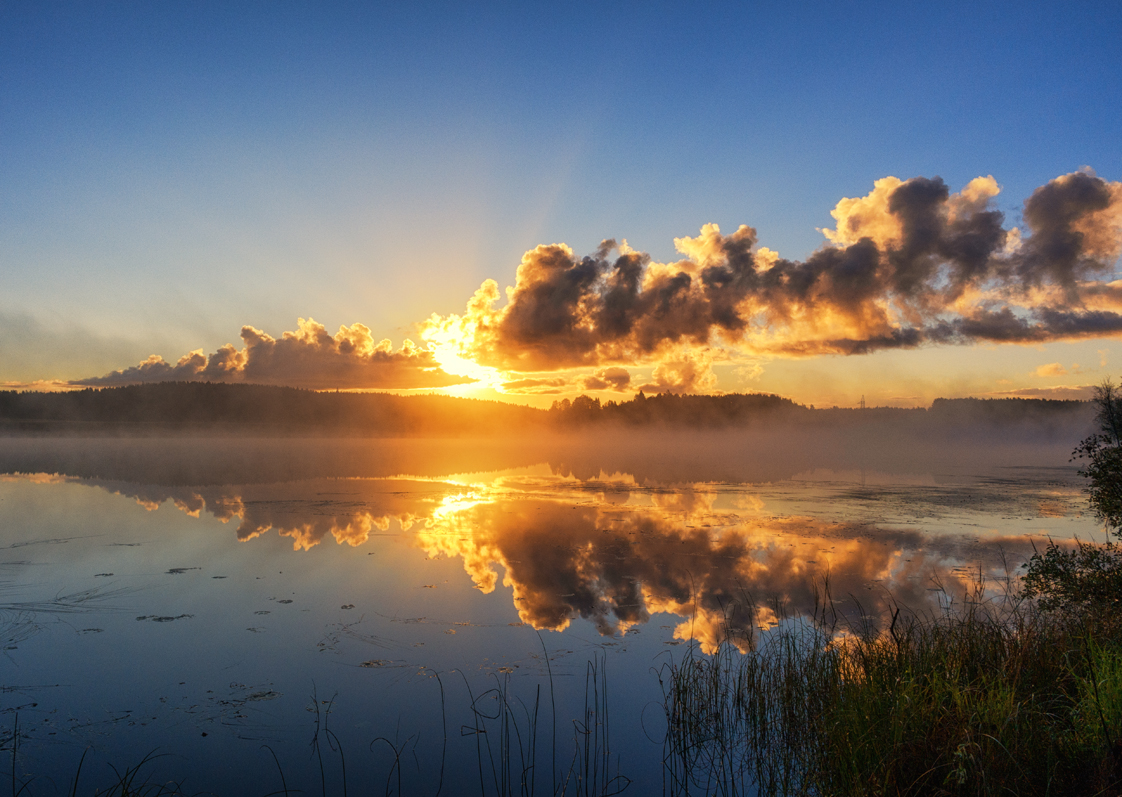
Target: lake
(454, 616)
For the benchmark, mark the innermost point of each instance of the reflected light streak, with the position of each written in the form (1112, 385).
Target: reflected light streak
(454, 504)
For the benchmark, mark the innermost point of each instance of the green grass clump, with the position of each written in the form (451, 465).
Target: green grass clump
(992, 698)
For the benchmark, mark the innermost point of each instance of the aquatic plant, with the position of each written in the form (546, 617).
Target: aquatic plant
(505, 728)
(506, 732)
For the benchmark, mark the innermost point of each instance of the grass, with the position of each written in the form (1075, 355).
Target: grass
(989, 697)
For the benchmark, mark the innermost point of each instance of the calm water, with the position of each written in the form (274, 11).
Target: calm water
(218, 601)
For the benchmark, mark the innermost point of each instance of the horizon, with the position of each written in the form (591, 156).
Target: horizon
(513, 402)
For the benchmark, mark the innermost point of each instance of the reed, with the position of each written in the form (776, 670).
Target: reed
(505, 728)
(991, 696)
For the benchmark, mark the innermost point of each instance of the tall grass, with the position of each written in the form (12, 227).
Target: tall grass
(989, 697)
(506, 733)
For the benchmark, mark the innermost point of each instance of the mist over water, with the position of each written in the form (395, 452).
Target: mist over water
(197, 593)
(763, 449)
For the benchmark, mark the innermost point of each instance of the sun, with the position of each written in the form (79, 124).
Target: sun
(445, 342)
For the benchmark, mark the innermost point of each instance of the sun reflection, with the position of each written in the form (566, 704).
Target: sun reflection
(454, 504)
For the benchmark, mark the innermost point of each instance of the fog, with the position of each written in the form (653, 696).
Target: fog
(762, 451)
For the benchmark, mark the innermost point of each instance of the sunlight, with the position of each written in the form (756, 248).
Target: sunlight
(453, 504)
(445, 348)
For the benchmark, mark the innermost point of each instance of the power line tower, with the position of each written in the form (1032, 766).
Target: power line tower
(862, 402)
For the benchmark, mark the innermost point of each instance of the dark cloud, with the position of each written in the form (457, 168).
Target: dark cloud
(615, 378)
(909, 264)
(1071, 219)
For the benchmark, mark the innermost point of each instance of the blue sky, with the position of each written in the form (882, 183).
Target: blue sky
(170, 172)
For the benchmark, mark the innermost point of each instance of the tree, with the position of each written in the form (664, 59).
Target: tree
(1088, 577)
(1103, 452)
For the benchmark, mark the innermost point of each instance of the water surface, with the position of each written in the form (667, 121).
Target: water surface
(219, 601)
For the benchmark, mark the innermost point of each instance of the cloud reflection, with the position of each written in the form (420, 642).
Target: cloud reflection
(617, 566)
(309, 512)
(615, 552)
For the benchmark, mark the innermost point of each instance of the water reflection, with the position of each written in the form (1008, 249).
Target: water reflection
(235, 571)
(617, 566)
(724, 559)
(349, 511)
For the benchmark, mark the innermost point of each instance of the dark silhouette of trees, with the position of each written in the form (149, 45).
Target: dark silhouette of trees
(1088, 577)
(1103, 452)
(264, 409)
(672, 409)
(259, 409)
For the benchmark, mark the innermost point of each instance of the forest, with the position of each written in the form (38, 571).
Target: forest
(262, 409)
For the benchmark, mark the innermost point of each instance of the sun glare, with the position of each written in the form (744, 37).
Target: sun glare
(444, 343)
(453, 504)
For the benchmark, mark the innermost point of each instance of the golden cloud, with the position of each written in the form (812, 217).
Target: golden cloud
(908, 264)
(308, 357)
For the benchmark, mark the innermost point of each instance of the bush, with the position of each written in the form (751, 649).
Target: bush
(1087, 577)
(1103, 452)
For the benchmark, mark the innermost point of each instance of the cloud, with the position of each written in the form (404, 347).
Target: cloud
(542, 386)
(686, 372)
(750, 372)
(1064, 392)
(909, 264)
(310, 357)
(615, 378)
(1051, 369)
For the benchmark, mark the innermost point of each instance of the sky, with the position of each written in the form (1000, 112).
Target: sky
(418, 197)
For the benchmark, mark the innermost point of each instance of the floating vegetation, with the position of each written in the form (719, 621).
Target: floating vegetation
(19, 621)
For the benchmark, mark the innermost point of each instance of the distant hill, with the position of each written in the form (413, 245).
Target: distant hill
(268, 410)
(262, 409)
